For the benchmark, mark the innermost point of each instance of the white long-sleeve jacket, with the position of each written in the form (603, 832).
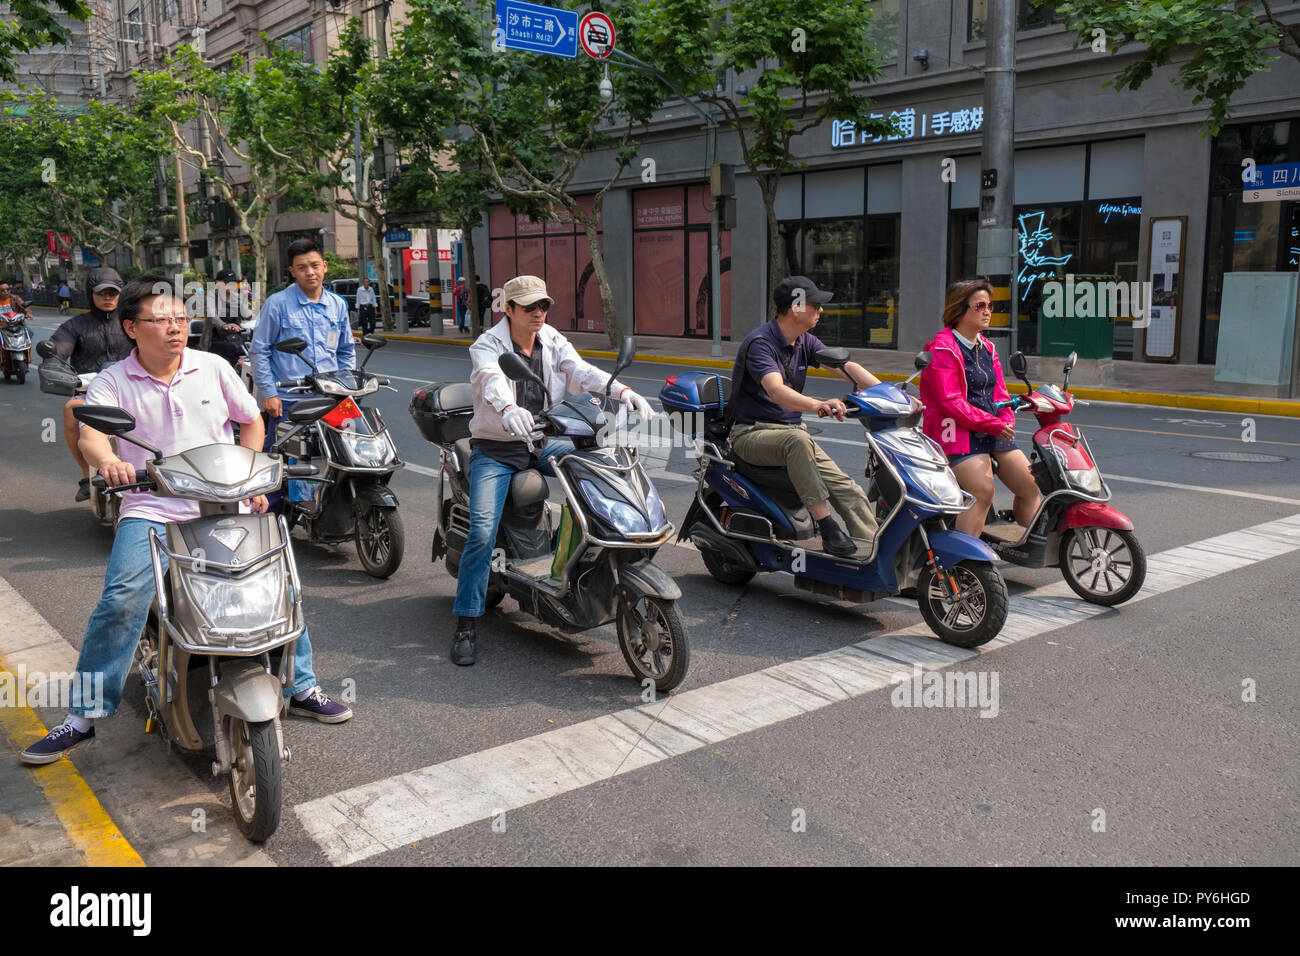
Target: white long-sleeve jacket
(563, 370)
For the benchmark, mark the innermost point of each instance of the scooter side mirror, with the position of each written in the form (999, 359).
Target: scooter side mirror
(294, 346)
(373, 342)
(1069, 362)
(922, 361)
(626, 353)
(517, 369)
(833, 358)
(45, 349)
(1019, 364)
(108, 419)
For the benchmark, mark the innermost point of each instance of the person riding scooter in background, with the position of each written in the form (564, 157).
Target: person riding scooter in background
(502, 424)
(89, 342)
(768, 404)
(181, 399)
(221, 330)
(959, 389)
(10, 302)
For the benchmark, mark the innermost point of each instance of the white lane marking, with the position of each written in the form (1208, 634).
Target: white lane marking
(373, 818)
(1212, 491)
(421, 470)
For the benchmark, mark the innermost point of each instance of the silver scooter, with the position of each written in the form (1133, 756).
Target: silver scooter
(229, 595)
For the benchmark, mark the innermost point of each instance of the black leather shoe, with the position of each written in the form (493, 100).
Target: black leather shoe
(834, 540)
(463, 649)
(83, 490)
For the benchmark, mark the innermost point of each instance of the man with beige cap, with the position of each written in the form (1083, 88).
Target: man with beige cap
(502, 424)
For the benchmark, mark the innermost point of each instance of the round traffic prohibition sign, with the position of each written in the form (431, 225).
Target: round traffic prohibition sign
(596, 33)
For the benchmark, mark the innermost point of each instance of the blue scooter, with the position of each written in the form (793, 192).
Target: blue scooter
(746, 518)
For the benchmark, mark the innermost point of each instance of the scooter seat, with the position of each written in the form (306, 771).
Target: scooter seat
(461, 445)
(527, 487)
(768, 476)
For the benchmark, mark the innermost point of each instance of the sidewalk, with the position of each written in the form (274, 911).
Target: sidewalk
(1141, 383)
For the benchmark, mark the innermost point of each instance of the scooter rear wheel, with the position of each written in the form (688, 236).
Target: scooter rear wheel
(722, 571)
(255, 777)
(978, 617)
(1105, 566)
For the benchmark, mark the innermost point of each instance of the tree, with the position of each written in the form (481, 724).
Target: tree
(533, 117)
(98, 166)
(33, 24)
(1225, 44)
(254, 111)
(809, 54)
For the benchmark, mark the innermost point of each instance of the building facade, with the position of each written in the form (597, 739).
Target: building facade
(887, 222)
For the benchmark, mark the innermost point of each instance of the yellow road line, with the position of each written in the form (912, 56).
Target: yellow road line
(84, 819)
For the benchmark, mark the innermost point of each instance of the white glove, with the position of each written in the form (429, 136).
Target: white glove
(637, 404)
(517, 421)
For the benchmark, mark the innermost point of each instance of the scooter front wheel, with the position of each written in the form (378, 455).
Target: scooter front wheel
(381, 541)
(1105, 566)
(255, 776)
(652, 637)
(974, 619)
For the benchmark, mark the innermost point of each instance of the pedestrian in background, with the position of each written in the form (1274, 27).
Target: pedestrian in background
(65, 296)
(367, 302)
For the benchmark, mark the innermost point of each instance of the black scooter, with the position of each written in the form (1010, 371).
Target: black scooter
(355, 453)
(598, 566)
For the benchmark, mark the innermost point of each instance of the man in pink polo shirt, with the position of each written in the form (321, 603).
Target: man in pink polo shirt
(180, 399)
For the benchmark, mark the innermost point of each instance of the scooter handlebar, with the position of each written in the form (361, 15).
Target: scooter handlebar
(142, 480)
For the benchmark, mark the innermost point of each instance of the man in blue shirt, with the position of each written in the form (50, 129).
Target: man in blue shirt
(305, 310)
(768, 405)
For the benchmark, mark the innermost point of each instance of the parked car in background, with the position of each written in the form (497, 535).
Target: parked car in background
(417, 306)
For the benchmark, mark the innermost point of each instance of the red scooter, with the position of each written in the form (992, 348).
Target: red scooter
(1074, 528)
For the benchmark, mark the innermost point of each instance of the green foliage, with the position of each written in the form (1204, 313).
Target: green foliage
(33, 24)
(1219, 46)
(339, 267)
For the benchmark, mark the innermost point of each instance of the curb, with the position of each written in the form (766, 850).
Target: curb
(1216, 403)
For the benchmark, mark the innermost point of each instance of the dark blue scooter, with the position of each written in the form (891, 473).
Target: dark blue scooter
(746, 518)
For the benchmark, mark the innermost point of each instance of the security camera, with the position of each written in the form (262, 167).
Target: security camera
(606, 89)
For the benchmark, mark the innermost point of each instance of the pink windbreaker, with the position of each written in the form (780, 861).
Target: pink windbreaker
(943, 392)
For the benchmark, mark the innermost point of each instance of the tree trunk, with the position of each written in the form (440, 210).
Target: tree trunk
(776, 269)
(613, 329)
(380, 255)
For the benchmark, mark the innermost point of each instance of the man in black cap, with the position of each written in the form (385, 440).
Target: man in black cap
(768, 405)
(221, 335)
(89, 342)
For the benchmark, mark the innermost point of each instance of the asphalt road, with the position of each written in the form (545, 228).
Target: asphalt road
(1136, 712)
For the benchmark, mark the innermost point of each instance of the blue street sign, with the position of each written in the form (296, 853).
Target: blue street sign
(397, 235)
(1272, 183)
(537, 29)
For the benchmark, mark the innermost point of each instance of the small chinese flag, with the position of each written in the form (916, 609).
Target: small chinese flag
(344, 411)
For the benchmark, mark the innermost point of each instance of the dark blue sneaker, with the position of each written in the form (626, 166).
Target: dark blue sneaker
(55, 744)
(319, 707)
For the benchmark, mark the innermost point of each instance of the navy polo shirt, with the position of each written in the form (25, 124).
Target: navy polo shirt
(766, 350)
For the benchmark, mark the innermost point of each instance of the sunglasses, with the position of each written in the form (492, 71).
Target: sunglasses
(541, 305)
(983, 307)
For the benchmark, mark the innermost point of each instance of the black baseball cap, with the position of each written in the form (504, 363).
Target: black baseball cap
(783, 296)
(101, 279)
(225, 275)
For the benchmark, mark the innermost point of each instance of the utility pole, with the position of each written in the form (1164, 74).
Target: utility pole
(996, 248)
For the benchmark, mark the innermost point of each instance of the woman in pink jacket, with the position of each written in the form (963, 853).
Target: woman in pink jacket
(959, 390)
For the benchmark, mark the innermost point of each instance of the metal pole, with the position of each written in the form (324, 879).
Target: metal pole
(715, 252)
(996, 248)
(357, 184)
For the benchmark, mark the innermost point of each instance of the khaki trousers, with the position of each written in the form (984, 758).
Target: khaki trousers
(814, 475)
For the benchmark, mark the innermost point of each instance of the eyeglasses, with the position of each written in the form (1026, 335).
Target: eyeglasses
(171, 321)
(542, 305)
(983, 306)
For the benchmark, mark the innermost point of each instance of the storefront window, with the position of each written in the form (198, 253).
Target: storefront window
(558, 252)
(1048, 238)
(670, 249)
(1242, 236)
(882, 35)
(1114, 238)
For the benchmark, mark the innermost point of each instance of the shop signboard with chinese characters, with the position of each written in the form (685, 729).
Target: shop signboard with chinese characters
(1165, 274)
(911, 124)
(1271, 183)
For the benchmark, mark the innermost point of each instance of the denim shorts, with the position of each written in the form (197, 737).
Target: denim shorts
(982, 443)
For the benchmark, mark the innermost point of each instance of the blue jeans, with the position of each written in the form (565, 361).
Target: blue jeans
(115, 626)
(489, 483)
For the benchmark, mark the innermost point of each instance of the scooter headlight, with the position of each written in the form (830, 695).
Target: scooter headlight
(619, 514)
(1086, 479)
(368, 450)
(655, 507)
(941, 485)
(244, 603)
(188, 486)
